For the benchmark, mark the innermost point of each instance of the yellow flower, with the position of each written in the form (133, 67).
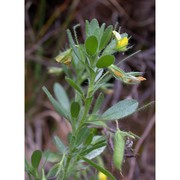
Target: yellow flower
(121, 42)
(64, 57)
(102, 176)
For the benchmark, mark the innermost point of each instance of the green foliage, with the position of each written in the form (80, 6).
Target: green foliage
(56, 105)
(105, 61)
(96, 147)
(74, 85)
(75, 109)
(120, 110)
(82, 135)
(91, 45)
(93, 64)
(52, 157)
(99, 168)
(61, 96)
(110, 48)
(106, 37)
(98, 104)
(54, 171)
(36, 158)
(32, 169)
(60, 146)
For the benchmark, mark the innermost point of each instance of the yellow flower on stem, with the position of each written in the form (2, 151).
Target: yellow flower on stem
(121, 42)
(102, 176)
(65, 57)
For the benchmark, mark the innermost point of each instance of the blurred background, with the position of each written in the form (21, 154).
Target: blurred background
(46, 22)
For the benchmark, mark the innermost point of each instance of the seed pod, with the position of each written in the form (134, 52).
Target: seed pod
(119, 145)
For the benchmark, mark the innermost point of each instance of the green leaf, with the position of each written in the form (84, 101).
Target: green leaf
(97, 142)
(82, 135)
(61, 96)
(98, 103)
(110, 48)
(98, 139)
(120, 110)
(28, 167)
(97, 146)
(75, 108)
(74, 85)
(36, 158)
(93, 117)
(106, 37)
(92, 28)
(87, 28)
(105, 79)
(94, 24)
(61, 147)
(52, 156)
(99, 168)
(96, 152)
(89, 139)
(105, 61)
(56, 105)
(91, 45)
(97, 34)
(100, 72)
(72, 44)
(54, 171)
(101, 31)
(98, 123)
(31, 170)
(69, 137)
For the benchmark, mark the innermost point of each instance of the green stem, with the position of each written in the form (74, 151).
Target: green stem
(87, 107)
(29, 176)
(87, 104)
(98, 81)
(127, 57)
(66, 166)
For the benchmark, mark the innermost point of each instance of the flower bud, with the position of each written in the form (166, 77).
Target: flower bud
(116, 71)
(55, 70)
(127, 78)
(65, 57)
(133, 79)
